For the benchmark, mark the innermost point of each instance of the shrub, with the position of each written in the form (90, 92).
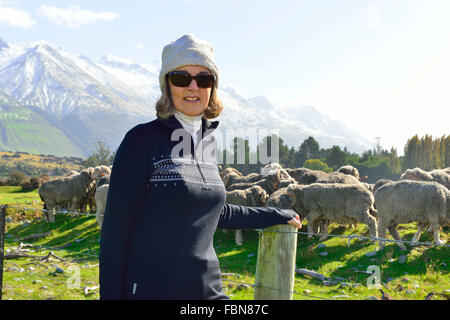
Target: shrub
(16, 177)
(317, 164)
(34, 183)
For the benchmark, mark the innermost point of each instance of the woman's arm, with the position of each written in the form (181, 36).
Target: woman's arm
(126, 190)
(242, 217)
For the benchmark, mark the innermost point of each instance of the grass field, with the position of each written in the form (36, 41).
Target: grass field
(425, 270)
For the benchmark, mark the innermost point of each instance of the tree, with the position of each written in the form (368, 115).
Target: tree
(309, 149)
(411, 158)
(100, 156)
(394, 161)
(336, 158)
(317, 164)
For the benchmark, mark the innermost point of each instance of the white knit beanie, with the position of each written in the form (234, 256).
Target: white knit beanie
(187, 50)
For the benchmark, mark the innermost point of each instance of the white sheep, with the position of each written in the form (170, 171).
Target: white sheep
(340, 203)
(251, 197)
(270, 168)
(417, 174)
(68, 192)
(427, 203)
(101, 195)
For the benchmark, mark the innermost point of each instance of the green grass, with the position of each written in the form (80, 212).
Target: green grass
(426, 269)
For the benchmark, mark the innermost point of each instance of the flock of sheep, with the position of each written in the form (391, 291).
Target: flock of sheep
(77, 190)
(343, 198)
(319, 197)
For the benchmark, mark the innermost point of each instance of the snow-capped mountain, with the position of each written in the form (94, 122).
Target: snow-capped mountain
(99, 100)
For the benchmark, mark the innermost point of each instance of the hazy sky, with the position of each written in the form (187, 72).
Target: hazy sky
(382, 67)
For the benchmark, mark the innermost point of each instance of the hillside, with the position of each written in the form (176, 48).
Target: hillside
(34, 165)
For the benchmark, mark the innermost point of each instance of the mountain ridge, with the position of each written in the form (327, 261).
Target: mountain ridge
(92, 100)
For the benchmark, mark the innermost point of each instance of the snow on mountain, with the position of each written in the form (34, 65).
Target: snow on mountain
(72, 86)
(8, 52)
(143, 79)
(294, 124)
(60, 82)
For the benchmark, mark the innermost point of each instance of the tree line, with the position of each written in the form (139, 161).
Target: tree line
(427, 153)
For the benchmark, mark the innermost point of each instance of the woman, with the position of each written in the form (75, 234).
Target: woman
(163, 205)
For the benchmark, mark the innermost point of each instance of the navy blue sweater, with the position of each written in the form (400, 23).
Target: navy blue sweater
(161, 214)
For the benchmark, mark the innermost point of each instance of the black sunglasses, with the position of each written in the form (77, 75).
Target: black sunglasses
(184, 79)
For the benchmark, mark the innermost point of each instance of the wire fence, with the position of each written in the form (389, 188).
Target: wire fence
(400, 243)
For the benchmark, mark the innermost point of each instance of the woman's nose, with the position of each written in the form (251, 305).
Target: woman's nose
(193, 85)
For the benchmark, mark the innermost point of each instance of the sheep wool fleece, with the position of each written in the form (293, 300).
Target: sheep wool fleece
(161, 215)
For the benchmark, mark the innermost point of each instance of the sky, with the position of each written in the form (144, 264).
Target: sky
(381, 67)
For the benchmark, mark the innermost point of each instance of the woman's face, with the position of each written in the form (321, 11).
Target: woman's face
(191, 100)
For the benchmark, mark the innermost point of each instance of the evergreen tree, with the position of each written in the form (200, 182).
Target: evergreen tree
(336, 157)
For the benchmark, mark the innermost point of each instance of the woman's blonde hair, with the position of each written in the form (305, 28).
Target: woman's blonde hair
(165, 107)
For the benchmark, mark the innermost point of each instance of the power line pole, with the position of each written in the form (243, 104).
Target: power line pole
(378, 148)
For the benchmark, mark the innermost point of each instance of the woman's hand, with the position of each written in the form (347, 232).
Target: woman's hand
(296, 222)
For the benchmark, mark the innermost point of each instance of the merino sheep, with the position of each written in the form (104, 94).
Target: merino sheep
(101, 171)
(270, 168)
(427, 203)
(285, 182)
(417, 174)
(338, 177)
(297, 173)
(269, 183)
(279, 199)
(231, 170)
(101, 194)
(312, 176)
(252, 197)
(102, 181)
(350, 170)
(379, 184)
(341, 203)
(70, 191)
(233, 178)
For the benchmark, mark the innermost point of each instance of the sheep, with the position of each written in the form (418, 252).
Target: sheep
(312, 176)
(417, 174)
(69, 191)
(338, 177)
(350, 170)
(405, 201)
(102, 181)
(252, 197)
(268, 183)
(101, 171)
(233, 178)
(228, 175)
(379, 184)
(71, 174)
(279, 199)
(341, 203)
(368, 186)
(270, 168)
(285, 182)
(231, 170)
(297, 173)
(101, 194)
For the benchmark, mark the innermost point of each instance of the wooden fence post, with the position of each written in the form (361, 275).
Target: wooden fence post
(275, 266)
(2, 244)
